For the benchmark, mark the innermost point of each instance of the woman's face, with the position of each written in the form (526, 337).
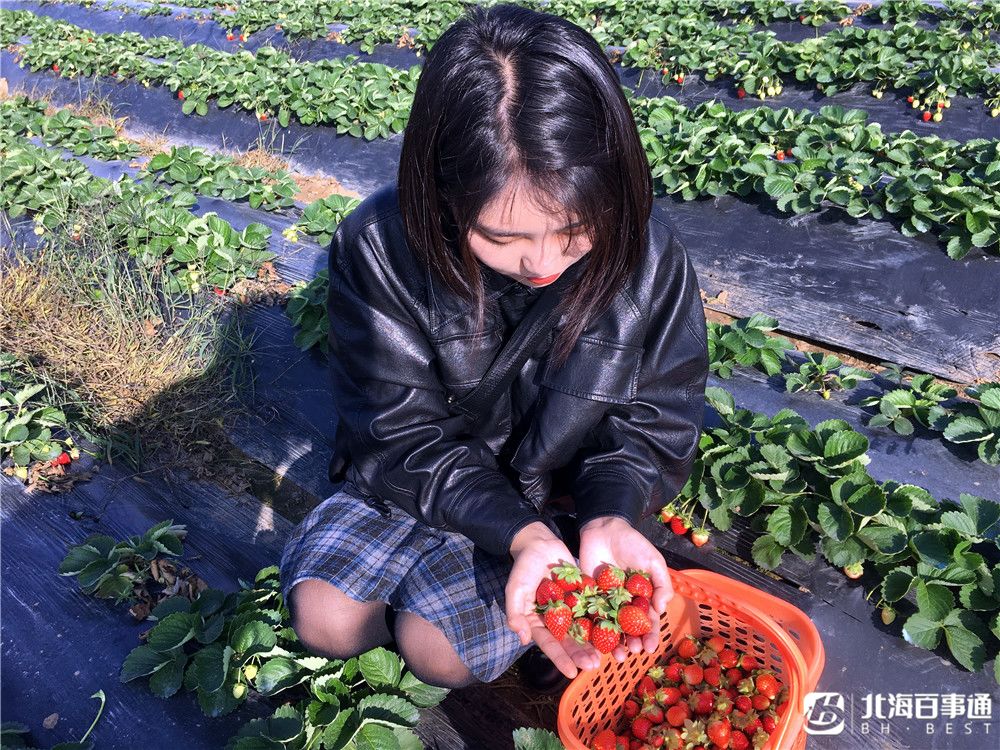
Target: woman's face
(513, 236)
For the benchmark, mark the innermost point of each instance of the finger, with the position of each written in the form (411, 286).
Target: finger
(651, 641)
(620, 653)
(516, 619)
(663, 590)
(554, 650)
(584, 654)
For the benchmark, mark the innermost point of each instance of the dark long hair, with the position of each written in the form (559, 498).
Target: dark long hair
(508, 93)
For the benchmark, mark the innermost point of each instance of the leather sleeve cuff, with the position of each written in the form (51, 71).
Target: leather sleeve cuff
(607, 494)
(490, 513)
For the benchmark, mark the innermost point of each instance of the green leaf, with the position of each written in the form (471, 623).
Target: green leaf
(844, 446)
(721, 400)
(897, 584)
(787, 524)
(965, 646)
(253, 637)
(420, 693)
(922, 632)
(847, 552)
(934, 600)
(389, 709)
(777, 185)
(381, 668)
(530, 738)
(141, 661)
(278, 674)
(884, 539)
(341, 731)
(766, 552)
(935, 548)
(167, 680)
(211, 666)
(835, 521)
(172, 631)
(375, 737)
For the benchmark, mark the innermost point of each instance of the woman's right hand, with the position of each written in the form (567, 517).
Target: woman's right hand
(535, 550)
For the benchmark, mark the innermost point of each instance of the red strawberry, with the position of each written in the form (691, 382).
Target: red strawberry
(677, 715)
(61, 460)
(728, 658)
(641, 602)
(738, 741)
(688, 648)
(604, 740)
(668, 696)
(760, 702)
(638, 584)
(909, 99)
(926, 116)
(631, 708)
(571, 599)
(568, 577)
(640, 727)
(703, 702)
(743, 704)
(180, 94)
(587, 582)
(580, 630)
(653, 712)
(723, 704)
(693, 674)
(734, 675)
(558, 619)
(719, 732)
(605, 636)
(716, 643)
(263, 116)
(646, 686)
(547, 591)
(768, 723)
(768, 684)
(634, 621)
(673, 671)
(713, 676)
(748, 663)
(780, 155)
(230, 37)
(55, 67)
(741, 92)
(611, 576)
(680, 78)
(114, 73)
(678, 526)
(219, 291)
(242, 38)
(940, 105)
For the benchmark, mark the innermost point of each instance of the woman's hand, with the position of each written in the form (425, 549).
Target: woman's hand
(535, 550)
(613, 540)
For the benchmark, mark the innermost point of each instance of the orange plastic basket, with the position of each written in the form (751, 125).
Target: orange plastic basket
(704, 604)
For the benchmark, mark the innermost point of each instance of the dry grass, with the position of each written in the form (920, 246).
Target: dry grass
(148, 377)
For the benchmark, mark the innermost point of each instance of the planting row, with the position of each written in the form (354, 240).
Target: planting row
(931, 65)
(182, 170)
(157, 227)
(804, 161)
(363, 99)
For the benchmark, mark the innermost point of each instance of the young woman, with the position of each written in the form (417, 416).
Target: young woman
(521, 167)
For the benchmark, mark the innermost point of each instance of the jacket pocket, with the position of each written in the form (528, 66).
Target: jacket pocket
(463, 360)
(597, 369)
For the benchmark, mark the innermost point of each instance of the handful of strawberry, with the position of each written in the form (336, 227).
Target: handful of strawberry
(707, 696)
(599, 611)
(680, 522)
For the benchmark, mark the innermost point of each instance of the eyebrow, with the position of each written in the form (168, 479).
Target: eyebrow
(499, 233)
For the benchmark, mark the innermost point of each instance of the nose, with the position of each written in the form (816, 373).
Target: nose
(545, 258)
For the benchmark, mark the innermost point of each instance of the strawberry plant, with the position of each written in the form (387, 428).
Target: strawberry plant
(321, 217)
(824, 373)
(27, 424)
(108, 569)
(920, 403)
(746, 342)
(978, 423)
(307, 309)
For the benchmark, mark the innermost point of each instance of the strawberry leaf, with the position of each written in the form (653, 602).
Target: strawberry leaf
(380, 668)
(897, 584)
(167, 680)
(922, 632)
(934, 600)
(389, 709)
(420, 693)
(141, 661)
(172, 631)
(535, 739)
(766, 552)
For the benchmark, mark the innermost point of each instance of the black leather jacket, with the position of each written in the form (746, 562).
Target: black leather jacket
(617, 427)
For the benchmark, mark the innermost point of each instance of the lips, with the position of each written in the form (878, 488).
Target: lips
(543, 279)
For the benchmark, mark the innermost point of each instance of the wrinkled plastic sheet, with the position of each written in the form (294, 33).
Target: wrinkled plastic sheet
(966, 119)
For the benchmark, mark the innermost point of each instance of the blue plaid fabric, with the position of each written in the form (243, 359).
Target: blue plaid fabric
(392, 557)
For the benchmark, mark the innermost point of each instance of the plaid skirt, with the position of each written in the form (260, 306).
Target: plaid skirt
(390, 556)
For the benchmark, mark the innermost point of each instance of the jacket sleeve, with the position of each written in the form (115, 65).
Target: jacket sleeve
(640, 454)
(405, 446)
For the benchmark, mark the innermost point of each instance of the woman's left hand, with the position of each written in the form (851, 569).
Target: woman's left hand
(613, 540)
